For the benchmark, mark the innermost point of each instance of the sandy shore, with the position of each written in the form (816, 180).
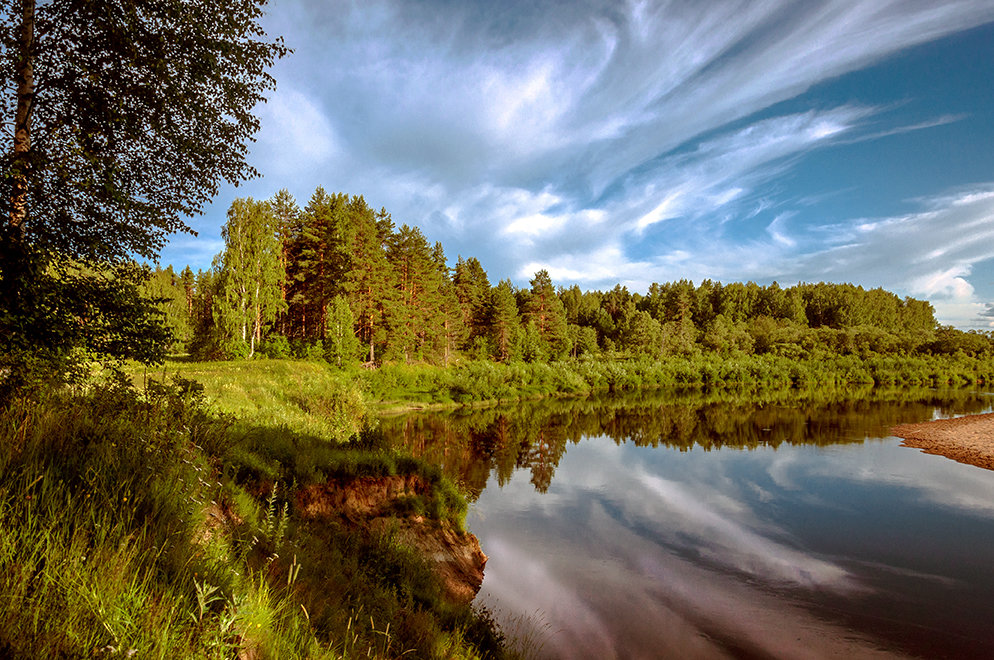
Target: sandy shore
(968, 439)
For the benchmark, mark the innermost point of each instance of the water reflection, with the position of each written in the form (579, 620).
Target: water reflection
(473, 443)
(607, 519)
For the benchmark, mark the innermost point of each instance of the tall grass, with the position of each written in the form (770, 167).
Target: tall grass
(316, 399)
(298, 395)
(131, 528)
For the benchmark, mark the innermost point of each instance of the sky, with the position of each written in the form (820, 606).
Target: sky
(638, 142)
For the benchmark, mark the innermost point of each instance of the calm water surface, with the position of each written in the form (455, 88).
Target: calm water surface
(669, 526)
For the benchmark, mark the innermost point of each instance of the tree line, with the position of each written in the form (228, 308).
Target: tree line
(340, 281)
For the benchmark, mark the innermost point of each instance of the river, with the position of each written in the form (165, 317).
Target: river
(696, 525)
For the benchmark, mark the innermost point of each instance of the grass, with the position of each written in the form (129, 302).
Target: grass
(147, 525)
(475, 381)
(305, 397)
(313, 398)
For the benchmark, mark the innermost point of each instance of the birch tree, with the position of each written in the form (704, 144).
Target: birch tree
(123, 120)
(251, 273)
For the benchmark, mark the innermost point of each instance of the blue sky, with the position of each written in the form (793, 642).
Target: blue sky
(640, 142)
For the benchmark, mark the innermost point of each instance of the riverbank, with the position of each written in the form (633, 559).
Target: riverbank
(968, 439)
(149, 523)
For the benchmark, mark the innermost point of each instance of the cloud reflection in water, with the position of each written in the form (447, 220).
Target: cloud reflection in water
(642, 552)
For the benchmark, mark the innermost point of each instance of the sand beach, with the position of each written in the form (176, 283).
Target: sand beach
(968, 439)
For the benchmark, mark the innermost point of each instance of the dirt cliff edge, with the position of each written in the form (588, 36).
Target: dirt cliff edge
(372, 502)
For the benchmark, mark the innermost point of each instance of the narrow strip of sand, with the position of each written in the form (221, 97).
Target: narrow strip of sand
(968, 439)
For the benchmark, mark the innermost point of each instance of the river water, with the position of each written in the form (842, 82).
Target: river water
(701, 525)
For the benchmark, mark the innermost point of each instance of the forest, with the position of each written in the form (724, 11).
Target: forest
(338, 281)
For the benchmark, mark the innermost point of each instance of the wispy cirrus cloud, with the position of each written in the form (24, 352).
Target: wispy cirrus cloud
(581, 98)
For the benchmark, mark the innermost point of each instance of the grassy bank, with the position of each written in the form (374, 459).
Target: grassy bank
(147, 526)
(477, 381)
(312, 396)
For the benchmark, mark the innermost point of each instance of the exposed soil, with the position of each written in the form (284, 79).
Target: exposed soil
(371, 502)
(968, 439)
(219, 517)
(359, 498)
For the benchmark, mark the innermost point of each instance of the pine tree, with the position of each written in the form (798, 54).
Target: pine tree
(545, 310)
(502, 321)
(321, 261)
(472, 288)
(368, 283)
(413, 318)
(448, 313)
(208, 334)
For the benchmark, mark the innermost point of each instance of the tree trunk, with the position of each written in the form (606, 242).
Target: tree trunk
(446, 325)
(15, 262)
(19, 268)
(24, 79)
(257, 321)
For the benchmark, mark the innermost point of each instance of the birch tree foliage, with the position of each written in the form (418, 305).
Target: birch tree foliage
(122, 118)
(252, 274)
(341, 346)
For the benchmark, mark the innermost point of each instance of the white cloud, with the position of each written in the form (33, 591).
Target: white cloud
(776, 230)
(581, 97)
(927, 254)
(725, 168)
(672, 206)
(948, 283)
(598, 265)
(296, 134)
(628, 142)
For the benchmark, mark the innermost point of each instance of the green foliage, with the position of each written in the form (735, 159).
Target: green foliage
(174, 296)
(407, 306)
(251, 276)
(470, 381)
(275, 347)
(502, 321)
(544, 311)
(128, 172)
(77, 314)
(103, 167)
(133, 526)
(417, 315)
(341, 346)
(472, 288)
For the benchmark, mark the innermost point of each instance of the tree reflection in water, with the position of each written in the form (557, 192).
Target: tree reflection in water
(471, 444)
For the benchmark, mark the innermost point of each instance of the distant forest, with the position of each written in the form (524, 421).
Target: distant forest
(339, 281)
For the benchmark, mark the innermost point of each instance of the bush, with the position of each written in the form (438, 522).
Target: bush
(275, 347)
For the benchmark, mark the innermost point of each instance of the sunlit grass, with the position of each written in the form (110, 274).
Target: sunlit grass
(307, 397)
(130, 528)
